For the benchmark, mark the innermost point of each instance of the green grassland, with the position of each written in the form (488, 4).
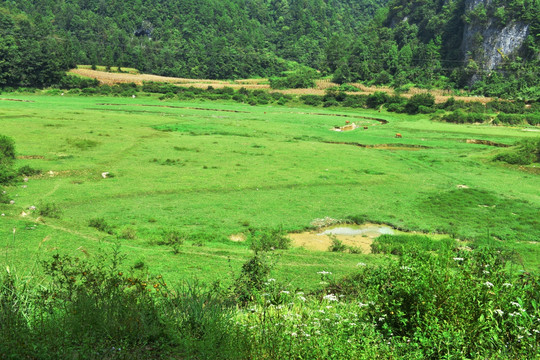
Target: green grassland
(213, 169)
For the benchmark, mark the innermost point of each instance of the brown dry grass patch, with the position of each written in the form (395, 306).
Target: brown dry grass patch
(261, 84)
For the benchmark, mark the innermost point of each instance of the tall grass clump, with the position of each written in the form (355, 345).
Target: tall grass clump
(94, 308)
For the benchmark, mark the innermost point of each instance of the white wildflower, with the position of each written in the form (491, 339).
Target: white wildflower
(284, 292)
(361, 264)
(488, 284)
(324, 273)
(485, 272)
(458, 259)
(293, 334)
(271, 280)
(362, 305)
(507, 285)
(515, 304)
(330, 297)
(406, 268)
(499, 312)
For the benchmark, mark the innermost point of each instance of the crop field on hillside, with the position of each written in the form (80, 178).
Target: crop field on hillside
(210, 172)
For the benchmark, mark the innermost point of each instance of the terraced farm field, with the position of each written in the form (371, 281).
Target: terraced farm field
(135, 171)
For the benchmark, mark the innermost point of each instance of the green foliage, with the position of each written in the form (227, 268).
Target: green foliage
(424, 299)
(376, 99)
(252, 278)
(127, 233)
(337, 245)
(524, 152)
(420, 103)
(267, 240)
(50, 209)
(31, 54)
(461, 117)
(300, 79)
(27, 170)
(101, 225)
(402, 244)
(7, 158)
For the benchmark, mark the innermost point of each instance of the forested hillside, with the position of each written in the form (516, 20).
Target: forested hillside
(489, 47)
(203, 38)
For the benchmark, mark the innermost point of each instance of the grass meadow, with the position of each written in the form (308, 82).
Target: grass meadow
(164, 185)
(212, 169)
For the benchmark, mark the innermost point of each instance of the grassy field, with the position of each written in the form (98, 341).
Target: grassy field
(213, 169)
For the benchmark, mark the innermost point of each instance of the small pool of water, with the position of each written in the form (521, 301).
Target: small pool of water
(353, 231)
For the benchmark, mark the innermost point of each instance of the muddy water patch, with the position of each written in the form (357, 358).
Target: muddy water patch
(359, 236)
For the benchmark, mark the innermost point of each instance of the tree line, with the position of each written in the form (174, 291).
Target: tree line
(379, 42)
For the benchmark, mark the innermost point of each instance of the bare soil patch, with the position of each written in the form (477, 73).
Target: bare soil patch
(485, 142)
(18, 100)
(238, 237)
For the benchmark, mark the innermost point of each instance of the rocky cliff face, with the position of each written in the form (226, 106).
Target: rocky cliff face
(488, 42)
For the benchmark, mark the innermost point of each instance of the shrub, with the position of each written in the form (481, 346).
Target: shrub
(172, 237)
(51, 210)
(420, 103)
(266, 240)
(355, 101)
(524, 152)
(252, 278)
(27, 170)
(128, 233)
(337, 245)
(101, 225)
(7, 158)
(300, 79)
(376, 99)
(312, 100)
(330, 102)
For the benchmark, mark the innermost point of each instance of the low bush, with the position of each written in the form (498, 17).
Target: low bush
(337, 245)
(127, 233)
(7, 159)
(376, 99)
(524, 152)
(101, 225)
(420, 103)
(50, 209)
(267, 240)
(312, 100)
(27, 170)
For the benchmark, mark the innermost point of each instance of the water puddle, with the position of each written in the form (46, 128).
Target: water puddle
(349, 231)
